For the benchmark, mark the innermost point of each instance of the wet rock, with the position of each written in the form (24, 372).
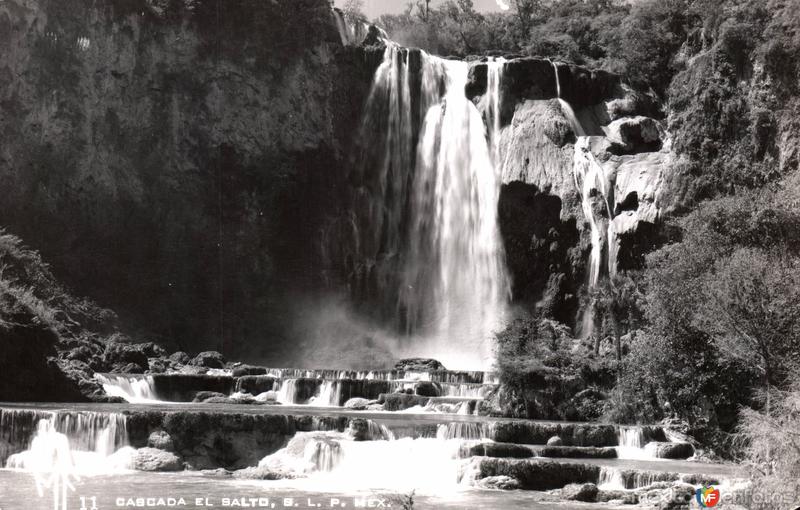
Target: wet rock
(418, 365)
(153, 459)
(631, 135)
(357, 403)
(669, 450)
(203, 396)
(498, 483)
(507, 450)
(255, 384)
(365, 430)
(160, 440)
(428, 389)
(578, 452)
(217, 473)
(261, 473)
(621, 497)
(180, 358)
(555, 441)
(586, 492)
(536, 474)
(248, 370)
(158, 365)
(400, 401)
(699, 479)
(209, 359)
(126, 358)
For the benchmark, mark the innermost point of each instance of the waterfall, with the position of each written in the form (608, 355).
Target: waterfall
(428, 242)
(566, 108)
(456, 261)
(329, 394)
(134, 389)
(632, 442)
(491, 104)
(463, 430)
(610, 479)
(589, 177)
(76, 443)
(286, 393)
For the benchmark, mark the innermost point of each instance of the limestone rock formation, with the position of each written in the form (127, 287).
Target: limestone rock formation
(153, 459)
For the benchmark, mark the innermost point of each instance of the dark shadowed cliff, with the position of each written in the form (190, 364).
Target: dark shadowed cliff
(173, 159)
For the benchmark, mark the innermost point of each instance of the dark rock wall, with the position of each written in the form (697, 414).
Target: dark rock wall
(174, 159)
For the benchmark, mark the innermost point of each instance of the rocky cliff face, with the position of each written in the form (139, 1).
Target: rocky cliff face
(173, 159)
(557, 117)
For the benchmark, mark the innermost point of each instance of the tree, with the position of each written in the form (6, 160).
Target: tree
(525, 12)
(754, 310)
(354, 10)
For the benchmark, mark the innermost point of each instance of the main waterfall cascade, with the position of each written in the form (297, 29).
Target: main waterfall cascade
(426, 232)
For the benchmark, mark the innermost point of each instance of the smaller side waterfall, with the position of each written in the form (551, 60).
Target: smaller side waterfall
(632, 442)
(286, 393)
(134, 389)
(464, 431)
(610, 479)
(491, 104)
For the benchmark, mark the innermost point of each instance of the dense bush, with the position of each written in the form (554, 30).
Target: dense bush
(722, 314)
(769, 440)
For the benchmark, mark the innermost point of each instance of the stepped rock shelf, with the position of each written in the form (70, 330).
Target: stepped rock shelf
(311, 444)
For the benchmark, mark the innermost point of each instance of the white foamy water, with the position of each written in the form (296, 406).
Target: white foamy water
(334, 461)
(71, 445)
(455, 266)
(424, 226)
(134, 389)
(632, 442)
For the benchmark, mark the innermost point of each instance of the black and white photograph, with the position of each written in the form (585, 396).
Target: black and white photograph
(406, 254)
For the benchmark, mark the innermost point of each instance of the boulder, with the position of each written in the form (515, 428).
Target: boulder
(586, 492)
(428, 389)
(498, 483)
(261, 473)
(630, 135)
(555, 441)
(357, 403)
(400, 401)
(622, 497)
(669, 450)
(366, 430)
(153, 459)
(209, 359)
(418, 365)
(180, 358)
(245, 370)
(270, 397)
(160, 440)
(204, 396)
(126, 357)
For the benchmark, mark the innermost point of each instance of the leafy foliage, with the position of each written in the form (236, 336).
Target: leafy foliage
(770, 440)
